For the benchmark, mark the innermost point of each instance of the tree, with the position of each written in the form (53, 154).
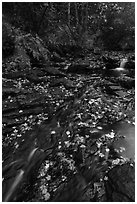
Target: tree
(111, 23)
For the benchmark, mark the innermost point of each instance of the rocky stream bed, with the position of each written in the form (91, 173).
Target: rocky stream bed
(61, 135)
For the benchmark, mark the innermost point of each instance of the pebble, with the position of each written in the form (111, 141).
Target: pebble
(47, 196)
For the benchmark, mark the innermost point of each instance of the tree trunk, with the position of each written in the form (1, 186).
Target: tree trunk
(82, 15)
(86, 17)
(42, 19)
(69, 14)
(76, 12)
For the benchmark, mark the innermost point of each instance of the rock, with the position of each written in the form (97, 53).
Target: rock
(97, 51)
(110, 63)
(120, 186)
(127, 82)
(71, 191)
(66, 82)
(53, 71)
(109, 90)
(128, 63)
(56, 57)
(123, 63)
(14, 75)
(10, 91)
(79, 68)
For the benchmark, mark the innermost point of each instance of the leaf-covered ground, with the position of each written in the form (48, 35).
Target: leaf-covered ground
(57, 131)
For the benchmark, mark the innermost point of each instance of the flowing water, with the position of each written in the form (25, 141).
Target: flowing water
(127, 143)
(14, 186)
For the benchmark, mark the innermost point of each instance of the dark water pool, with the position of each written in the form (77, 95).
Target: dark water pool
(127, 130)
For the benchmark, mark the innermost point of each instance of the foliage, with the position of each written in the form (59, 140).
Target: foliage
(106, 25)
(118, 28)
(21, 50)
(8, 40)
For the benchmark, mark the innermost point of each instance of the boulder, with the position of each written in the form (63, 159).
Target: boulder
(120, 186)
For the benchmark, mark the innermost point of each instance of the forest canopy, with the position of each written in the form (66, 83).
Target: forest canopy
(107, 25)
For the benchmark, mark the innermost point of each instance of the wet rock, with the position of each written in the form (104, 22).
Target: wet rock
(110, 63)
(128, 63)
(10, 91)
(53, 71)
(71, 191)
(120, 186)
(127, 82)
(97, 51)
(79, 68)
(56, 57)
(66, 82)
(14, 75)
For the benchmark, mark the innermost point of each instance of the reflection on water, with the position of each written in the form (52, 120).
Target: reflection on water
(128, 142)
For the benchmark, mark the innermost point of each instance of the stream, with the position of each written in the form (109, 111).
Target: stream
(68, 116)
(125, 145)
(127, 130)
